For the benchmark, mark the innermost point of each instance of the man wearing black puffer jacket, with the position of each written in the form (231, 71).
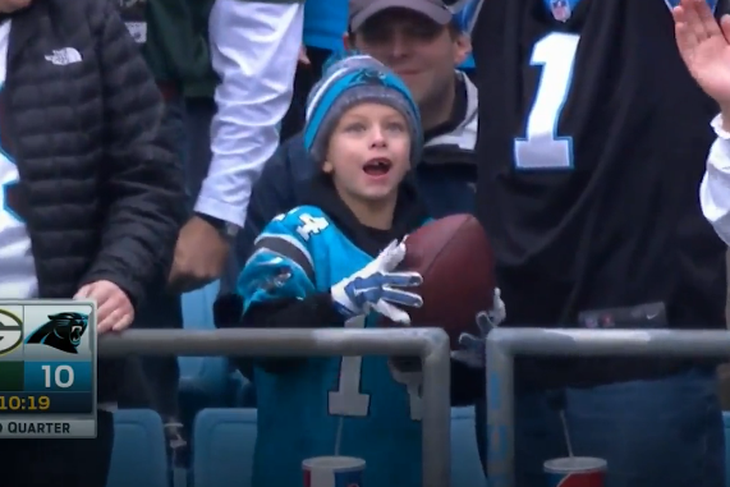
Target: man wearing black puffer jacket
(92, 193)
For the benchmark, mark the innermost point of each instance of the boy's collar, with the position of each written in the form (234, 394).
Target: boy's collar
(410, 212)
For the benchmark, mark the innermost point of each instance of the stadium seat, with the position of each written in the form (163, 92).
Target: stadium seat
(198, 307)
(223, 445)
(139, 456)
(208, 381)
(204, 381)
(205, 376)
(726, 417)
(244, 393)
(466, 468)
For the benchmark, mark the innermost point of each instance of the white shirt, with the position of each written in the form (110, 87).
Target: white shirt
(17, 267)
(715, 186)
(254, 50)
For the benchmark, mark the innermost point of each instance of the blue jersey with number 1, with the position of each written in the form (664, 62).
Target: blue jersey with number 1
(376, 407)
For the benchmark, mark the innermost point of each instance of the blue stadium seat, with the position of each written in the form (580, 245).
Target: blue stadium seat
(223, 445)
(198, 307)
(139, 456)
(726, 417)
(466, 468)
(208, 381)
(207, 376)
(244, 394)
(203, 380)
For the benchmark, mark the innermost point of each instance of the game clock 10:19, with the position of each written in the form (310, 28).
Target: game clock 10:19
(47, 369)
(25, 403)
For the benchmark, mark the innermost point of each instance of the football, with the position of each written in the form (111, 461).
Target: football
(455, 258)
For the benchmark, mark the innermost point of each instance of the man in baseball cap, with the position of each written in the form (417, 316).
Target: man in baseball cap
(362, 10)
(421, 42)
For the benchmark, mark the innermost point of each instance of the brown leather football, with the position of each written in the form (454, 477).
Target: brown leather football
(455, 258)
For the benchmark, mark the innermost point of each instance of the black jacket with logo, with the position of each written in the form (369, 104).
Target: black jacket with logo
(100, 188)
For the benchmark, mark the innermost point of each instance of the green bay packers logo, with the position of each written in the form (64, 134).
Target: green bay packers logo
(11, 331)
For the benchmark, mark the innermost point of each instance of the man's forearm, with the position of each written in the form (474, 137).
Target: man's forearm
(254, 50)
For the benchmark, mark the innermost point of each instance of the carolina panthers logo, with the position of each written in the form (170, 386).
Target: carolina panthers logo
(63, 331)
(371, 77)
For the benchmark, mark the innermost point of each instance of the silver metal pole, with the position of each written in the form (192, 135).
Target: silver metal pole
(436, 406)
(431, 344)
(504, 343)
(500, 415)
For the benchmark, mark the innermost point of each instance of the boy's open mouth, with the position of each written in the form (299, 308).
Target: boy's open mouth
(377, 167)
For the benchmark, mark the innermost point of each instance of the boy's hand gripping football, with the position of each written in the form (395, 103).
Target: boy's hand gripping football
(472, 347)
(378, 287)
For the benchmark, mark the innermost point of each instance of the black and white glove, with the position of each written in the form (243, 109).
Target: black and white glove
(378, 287)
(472, 347)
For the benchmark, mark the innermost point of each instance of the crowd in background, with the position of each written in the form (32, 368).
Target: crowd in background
(110, 199)
(235, 114)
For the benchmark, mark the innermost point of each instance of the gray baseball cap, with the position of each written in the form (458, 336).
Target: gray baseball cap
(362, 10)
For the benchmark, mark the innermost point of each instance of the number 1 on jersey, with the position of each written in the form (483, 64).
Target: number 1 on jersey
(347, 400)
(542, 148)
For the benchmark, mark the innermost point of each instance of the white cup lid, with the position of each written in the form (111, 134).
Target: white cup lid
(334, 463)
(575, 464)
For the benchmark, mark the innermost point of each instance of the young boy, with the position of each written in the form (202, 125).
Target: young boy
(323, 265)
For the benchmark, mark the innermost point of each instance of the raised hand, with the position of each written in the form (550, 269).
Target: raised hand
(704, 47)
(379, 288)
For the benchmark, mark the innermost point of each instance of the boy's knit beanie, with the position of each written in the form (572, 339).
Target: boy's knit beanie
(350, 81)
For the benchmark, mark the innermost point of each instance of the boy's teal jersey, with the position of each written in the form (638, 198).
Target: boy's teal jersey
(300, 253)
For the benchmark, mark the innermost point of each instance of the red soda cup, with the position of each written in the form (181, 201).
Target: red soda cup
(575, 472)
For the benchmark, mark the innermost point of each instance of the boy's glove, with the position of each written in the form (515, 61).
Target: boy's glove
(376, 287)
(472, 347)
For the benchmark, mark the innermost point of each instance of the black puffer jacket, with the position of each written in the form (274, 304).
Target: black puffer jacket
(101, 188)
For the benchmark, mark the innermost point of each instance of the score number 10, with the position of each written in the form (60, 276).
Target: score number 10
(61, 376)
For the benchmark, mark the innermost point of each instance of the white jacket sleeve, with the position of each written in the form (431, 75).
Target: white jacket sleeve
(715, 186)
(254, 50)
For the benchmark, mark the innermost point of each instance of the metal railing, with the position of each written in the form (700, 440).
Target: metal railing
(430, 344)
(503, 344)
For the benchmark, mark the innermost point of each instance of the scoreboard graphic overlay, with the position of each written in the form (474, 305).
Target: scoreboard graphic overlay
(47, 369)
